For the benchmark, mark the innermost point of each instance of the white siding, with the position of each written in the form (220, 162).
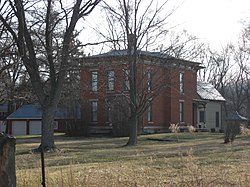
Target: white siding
(210, 119)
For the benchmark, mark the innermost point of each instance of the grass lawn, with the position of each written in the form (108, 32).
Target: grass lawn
(171, 159)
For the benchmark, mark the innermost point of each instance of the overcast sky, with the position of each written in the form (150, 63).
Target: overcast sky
(215, 21)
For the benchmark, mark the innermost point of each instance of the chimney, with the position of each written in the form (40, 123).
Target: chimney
(131, 42)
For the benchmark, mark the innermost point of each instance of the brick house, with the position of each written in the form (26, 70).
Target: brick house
(170, 81)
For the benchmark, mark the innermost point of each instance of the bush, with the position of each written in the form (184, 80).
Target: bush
(244, 130)
(212, 129)
(174, 128)
(120, 129)
(76, 128)
(231, 130)
(191, 128)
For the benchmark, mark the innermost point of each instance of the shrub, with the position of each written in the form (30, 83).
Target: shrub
(120, 129)
(174, 128)
(231, 130)
(191, 128)
(244, 130)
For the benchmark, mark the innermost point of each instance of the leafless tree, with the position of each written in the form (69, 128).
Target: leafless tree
(26, 21)
(135, 26)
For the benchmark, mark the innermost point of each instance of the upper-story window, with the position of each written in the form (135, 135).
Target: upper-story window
(181, 82)
(94, 81)
(149, 80)
(126, 79)
(110, 80)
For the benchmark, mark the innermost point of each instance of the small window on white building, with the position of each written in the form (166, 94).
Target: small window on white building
(217, 119)
(202, 116)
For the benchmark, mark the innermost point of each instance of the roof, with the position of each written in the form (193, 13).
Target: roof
(236, 117)
(33, 111)
(157, 55)
(116, 53)
(208, 92)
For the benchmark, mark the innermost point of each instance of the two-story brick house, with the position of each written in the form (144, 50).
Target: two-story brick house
(168, 83)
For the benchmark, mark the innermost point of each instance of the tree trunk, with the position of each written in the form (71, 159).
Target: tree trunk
(132, 131)
(7, 161)
(47, 139)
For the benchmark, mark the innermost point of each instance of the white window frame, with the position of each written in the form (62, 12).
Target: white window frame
(181, 79)
(110, 80)
(150, 112)
(126, 79)
(94, 111)
(94, 81)
(56, 125)
(149, 80)
(181, 105)
(217, 119)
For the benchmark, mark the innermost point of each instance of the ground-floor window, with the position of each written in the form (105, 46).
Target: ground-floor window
(181, 111)
(150, 113)
(202, 116)
(217, 119)
(93, 111)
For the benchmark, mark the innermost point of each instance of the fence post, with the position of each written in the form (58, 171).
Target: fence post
(43, 169)
(7, 160)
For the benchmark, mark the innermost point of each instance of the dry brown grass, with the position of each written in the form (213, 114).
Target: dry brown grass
(180, 159)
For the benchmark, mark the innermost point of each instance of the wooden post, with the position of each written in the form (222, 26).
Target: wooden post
(7, 160)
(43, 169)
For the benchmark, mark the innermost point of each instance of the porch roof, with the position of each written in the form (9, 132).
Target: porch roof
(208, 92)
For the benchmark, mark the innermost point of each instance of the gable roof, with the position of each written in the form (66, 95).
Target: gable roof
(208, 92)
(33, 111)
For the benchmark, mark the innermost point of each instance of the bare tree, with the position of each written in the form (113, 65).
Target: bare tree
(135, 26)
(24, 20)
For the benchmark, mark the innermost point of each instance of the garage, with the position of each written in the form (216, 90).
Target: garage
(19, 127)
(35, 127)
(28, 120)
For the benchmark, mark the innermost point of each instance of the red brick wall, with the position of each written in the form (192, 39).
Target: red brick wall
(165, 106)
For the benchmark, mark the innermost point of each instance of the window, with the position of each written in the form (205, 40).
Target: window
(217, 119)
(93, 111)
(150, 112)
(181, 111)
(94, 81)
(149, 81)
(181, 82)
(55, 125)
(108, 111)
(126, 79)
(202, 116)
(111, 80)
